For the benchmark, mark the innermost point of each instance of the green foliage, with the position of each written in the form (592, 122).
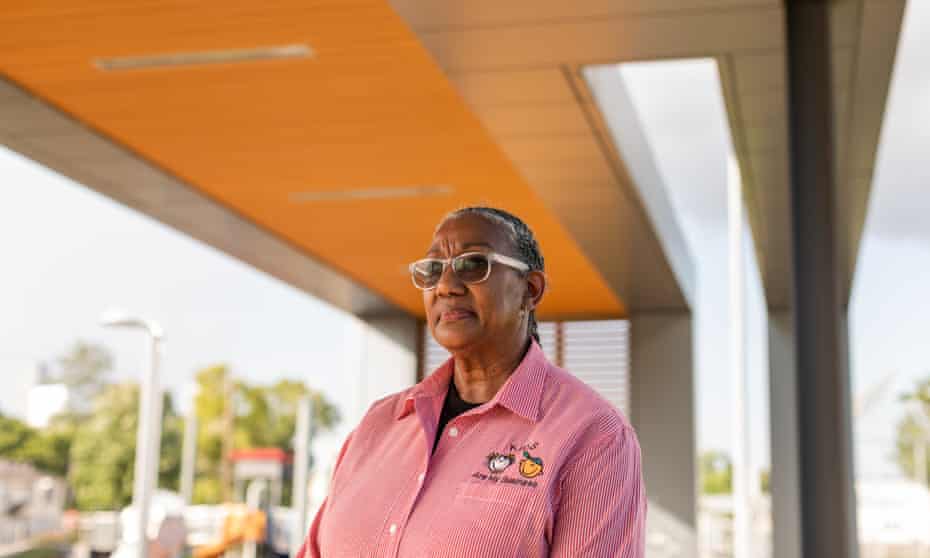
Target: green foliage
(914, 432)
(104, 447)
(14, 434)
(262, 417)
(47, 451)
(716, 470)
(93, 444)
(42, 552)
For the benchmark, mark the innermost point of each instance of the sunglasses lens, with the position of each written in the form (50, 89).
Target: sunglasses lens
(471, 268)
(426, 273)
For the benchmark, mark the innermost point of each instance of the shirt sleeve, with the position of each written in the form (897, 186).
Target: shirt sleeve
(602, 510)
(311, 546)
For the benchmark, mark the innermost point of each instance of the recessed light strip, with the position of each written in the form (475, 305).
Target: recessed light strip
(372, 193)
(203, 58)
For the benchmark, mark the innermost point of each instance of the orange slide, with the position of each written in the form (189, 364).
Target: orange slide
(241, 525)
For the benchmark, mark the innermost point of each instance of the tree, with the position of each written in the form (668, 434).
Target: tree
(914, 433)
(46, 450)
(83, 370)
(14, 434)
(104, 449)
(233, 414)
(716, 471)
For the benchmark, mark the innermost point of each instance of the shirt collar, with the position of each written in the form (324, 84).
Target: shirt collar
(521, 393)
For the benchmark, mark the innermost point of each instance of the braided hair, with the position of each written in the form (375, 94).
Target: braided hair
(523, 243)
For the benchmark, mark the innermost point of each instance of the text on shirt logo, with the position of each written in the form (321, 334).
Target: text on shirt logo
(497, 462)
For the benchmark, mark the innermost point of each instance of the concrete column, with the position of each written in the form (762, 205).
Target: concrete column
(389, 355)
(662, 409)
(827, 511)
(783, 409)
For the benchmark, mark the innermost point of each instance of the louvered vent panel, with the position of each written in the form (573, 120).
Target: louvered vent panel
(595, 351)
(598, 353)
(433, 353)
(547, 339)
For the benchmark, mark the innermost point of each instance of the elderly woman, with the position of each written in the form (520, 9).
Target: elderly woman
(498, 452)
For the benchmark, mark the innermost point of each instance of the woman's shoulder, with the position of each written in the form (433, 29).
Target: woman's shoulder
(389, 406)
(569, 400)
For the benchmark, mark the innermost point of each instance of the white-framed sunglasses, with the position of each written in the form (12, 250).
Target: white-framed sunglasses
(469, 268)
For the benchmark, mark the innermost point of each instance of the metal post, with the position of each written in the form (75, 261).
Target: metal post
(148, 443)
(189, 456)
(828, 522)
(148, 433)
(226, 468)
(253, 501)
(141, 490)
(301, 472)
(155, 423)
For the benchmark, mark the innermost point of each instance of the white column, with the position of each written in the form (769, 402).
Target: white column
(389, 356)
(742, 516)
(783, 409)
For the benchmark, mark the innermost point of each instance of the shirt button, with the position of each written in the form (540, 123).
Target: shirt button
(453, 432)
(421, 477)
(393, 528)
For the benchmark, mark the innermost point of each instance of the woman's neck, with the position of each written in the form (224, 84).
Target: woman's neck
(479, 375)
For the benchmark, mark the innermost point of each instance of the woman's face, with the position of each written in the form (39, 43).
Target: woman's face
(465, 317)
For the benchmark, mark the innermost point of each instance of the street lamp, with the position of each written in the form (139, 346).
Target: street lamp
(148, 434)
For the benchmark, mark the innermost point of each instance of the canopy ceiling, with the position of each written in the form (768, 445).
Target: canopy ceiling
(330, 169)
(350, 154)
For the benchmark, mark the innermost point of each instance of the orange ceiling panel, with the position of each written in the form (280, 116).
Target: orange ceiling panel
(368, 110)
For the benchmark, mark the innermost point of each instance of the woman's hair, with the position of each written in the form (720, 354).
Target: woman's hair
(522, 241)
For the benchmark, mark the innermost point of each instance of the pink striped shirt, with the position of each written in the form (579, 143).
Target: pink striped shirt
(545, 468)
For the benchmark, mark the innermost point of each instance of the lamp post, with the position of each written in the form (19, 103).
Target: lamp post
(148, 434)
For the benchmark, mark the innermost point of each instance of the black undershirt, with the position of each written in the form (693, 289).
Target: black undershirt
(452, 407)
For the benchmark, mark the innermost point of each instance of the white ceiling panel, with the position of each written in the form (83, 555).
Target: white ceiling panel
(516, 64)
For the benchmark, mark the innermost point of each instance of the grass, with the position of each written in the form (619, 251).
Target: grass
(41, 552)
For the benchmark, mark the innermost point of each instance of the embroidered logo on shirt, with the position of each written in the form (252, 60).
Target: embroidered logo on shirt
(497, 462)
(530, 466)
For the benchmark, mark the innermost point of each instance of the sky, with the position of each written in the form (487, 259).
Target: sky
(69, 253)
(890, 306)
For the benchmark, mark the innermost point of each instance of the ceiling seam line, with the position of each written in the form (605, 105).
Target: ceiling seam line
(669, 14)
(452, 72)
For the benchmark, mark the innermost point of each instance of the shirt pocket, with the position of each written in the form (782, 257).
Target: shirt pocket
(474, 493)
(488, 516)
